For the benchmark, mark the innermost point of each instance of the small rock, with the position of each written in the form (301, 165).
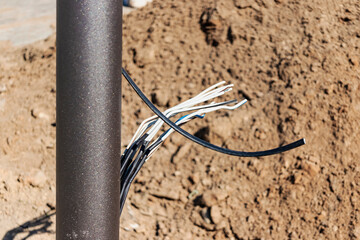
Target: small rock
(296, 106)
(160, 211)
(36, 178)
(183, 198)
(210, 198)
(315, 67)
(297, 178)
(330, 89)
(195, 178)
(40, 113)
(311, 168)
(168, 39)
(48, 52)
(219, 235)
(145, 56)
(201, 218)
(160, 98)
(183, 151)
(310, 94)
(314, 159)
(167, 190)
(130, 225)
(322, 216)
(139, 200)
(168, 194)
(3, 88)
(206, 182)
(260, 134)
(220, 131)
(297, 128)
(134, 225)
(221, 225)
(215, 214)
(353, 60)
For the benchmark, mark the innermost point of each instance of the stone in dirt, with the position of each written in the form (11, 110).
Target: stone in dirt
(40, 113)
(36, 178)
(210, 198)
(215, 214)
(311, 168)
(183, 151)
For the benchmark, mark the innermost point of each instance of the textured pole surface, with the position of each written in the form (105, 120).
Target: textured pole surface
(88, 118)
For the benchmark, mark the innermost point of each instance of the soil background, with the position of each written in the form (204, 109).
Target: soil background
(297, 62)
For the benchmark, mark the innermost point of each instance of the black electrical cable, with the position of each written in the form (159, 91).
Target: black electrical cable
(132, 168)
(126, 188)
(202, 142)
(129, 153)
(143, 159)
(126, 183)
(146, 152)
(136, 165)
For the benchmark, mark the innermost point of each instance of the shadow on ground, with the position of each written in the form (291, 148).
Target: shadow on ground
(35, 226)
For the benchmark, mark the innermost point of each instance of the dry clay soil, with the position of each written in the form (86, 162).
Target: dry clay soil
(297, 62)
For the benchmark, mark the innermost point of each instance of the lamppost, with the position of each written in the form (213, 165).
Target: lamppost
(88, 131)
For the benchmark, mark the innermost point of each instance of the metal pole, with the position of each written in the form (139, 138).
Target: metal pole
(88, 100)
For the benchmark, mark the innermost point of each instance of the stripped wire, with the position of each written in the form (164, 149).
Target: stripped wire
(202, 142)
(140, 150)
(191, 116)
(204, 96)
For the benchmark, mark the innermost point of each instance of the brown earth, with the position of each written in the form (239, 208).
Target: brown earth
(298, 64)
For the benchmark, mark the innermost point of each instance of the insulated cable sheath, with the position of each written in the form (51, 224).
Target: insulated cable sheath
(129, 154)
(126, 187)
(203, 143)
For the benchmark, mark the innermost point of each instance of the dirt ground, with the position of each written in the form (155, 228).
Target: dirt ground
(297, 62)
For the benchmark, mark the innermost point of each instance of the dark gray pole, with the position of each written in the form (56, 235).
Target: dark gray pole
(88, 118)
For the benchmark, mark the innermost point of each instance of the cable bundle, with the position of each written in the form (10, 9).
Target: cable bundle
(142, 145)
(140, 150)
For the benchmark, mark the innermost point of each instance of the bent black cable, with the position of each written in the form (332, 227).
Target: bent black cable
(127, 160)
(202, 142)
(130, 153)
(130, 170)
(134, 163)
(131, 179)
(125, 185)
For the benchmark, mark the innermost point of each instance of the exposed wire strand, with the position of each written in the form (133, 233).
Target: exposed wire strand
(202, 142)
